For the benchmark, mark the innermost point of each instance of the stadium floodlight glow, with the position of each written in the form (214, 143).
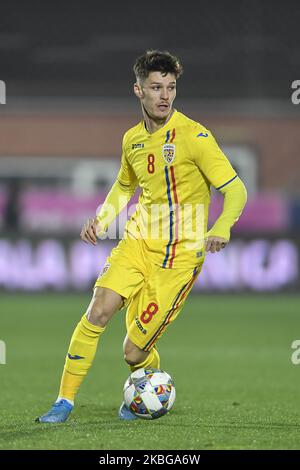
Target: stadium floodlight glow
(2, 92)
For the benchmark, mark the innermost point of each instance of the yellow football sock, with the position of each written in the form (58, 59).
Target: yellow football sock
(80, 356)
(152, 361)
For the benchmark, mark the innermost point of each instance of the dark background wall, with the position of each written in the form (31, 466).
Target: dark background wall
(233, 49)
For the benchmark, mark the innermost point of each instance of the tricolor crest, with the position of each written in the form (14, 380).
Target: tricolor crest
(169, 153)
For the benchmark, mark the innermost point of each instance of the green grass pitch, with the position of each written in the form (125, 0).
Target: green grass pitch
(230, 357)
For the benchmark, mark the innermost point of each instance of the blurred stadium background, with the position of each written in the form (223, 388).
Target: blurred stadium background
(68, 75)
(67, 67)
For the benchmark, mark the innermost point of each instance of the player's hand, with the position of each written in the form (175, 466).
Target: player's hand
(89, 232)
(214, 244)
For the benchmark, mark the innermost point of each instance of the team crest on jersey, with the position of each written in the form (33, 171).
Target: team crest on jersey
(169, 152)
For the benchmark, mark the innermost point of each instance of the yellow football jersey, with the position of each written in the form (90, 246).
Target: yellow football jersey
(174, 167)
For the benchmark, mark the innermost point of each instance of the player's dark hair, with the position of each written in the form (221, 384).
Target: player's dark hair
(157, 61)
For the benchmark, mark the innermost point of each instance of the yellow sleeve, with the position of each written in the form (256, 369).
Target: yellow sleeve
(235, 198)
(126, 175)
(210, 159)
(120, 194)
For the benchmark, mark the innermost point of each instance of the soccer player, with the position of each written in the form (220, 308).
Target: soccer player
(174, 160)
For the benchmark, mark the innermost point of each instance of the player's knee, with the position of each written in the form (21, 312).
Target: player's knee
(99, 313)
(104, 304)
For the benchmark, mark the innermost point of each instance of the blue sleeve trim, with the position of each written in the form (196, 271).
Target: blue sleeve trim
(220, 187)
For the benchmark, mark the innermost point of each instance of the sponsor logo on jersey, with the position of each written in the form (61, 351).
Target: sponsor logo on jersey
(202, 134)
(140, 326)
(137, 146)
(169, 153)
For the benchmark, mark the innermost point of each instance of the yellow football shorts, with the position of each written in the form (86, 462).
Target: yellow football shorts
(153, 295)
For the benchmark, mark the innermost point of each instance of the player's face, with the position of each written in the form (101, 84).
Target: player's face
(157, 94)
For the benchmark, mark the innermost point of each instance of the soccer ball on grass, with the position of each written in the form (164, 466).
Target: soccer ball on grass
(149, 393)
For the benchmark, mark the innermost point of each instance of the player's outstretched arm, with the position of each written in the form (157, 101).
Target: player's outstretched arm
(235, 197)
(117, 198)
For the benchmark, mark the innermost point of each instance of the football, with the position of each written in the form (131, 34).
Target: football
(149, 393)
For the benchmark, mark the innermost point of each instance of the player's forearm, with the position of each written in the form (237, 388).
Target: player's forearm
(235, 197)
(117, 198)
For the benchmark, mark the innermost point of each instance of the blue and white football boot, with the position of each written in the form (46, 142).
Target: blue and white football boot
(125, 413)
(59, 413)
